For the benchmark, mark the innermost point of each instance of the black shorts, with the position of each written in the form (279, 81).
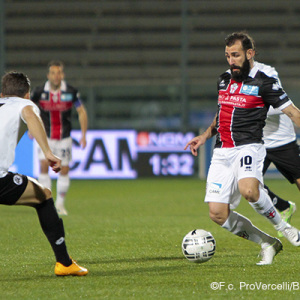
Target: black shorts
(12, 186)
(286, 159)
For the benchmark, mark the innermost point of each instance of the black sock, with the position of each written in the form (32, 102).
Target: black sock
(53, 228)
(278, 202)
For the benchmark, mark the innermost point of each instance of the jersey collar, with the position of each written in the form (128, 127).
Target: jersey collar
(63, 86)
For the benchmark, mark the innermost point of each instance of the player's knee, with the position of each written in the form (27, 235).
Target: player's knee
(48, 193)
(250, 194)
(218, 217)
(41, 193)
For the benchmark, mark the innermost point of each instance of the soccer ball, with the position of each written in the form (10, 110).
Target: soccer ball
(198, 246)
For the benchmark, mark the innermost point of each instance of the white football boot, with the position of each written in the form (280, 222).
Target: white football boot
(269, 251)
(292, 234)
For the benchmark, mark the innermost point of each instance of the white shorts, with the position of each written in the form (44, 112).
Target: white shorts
(228, 166)
(61, 148)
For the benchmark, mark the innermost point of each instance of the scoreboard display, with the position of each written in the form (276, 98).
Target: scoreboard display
(162, 154)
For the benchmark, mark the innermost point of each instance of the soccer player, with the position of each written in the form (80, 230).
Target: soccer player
(55, 100)
(17, 113)
(283, 151)
(245, 92)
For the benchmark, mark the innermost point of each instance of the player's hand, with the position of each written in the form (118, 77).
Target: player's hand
(55, 166)
(82, 142)
(54, 162)
(195, 143)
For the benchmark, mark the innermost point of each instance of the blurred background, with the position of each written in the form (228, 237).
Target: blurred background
(147, 64)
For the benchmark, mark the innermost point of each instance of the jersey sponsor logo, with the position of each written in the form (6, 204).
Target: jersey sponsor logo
(59, 106)
(18, 180)
(232, 100)
(249, 90)
(66, 97)
(214, 188)
(247, 101)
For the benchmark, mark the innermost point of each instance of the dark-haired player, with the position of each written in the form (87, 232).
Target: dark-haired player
(246, 91)
(17, 114)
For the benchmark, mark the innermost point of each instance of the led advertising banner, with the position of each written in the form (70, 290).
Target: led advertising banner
(128, 154)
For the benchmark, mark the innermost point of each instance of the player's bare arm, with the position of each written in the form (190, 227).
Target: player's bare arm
(294, 113)
(83, 121)
(36, 129)
(200, 140)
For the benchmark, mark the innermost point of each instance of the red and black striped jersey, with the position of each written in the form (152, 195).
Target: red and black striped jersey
(56, 108)
(243, 106)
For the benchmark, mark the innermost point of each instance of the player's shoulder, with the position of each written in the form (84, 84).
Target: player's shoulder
(224, 77)
(16, 102)
(263, 71)
(69, 88)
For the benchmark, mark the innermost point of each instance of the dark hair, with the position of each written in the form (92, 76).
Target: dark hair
(56, 63)
(244, 37)
(15, 84)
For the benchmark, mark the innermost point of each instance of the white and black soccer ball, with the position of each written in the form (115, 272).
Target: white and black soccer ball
(198, 246)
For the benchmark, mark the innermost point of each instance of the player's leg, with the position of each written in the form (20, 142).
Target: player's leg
(278, 202)
(35, 195)
(64, 148)
(243, 227)
(285, 208)
(221, 193)
(251, 190)
(44, 177)
(63, 184)
(249, 165)
(287, 160)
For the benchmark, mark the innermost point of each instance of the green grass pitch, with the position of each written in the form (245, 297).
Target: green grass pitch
(128, 233)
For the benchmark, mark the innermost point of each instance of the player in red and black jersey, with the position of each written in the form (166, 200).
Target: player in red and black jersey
(56, 99)
(243, 106)
(246, 92)
(56, 108)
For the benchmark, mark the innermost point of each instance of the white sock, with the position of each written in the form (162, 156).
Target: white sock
(243, 227)
(62, 187)
(45, 180)
(265, 207)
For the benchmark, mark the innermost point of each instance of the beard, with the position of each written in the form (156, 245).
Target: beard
(243, 72)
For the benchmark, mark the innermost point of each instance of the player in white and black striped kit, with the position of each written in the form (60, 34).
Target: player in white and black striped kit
(283, 151)
(246, 92)
(17, 113)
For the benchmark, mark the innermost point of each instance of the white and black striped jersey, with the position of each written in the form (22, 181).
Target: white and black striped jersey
(243, 106)
(279, 129)
(12, 128)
